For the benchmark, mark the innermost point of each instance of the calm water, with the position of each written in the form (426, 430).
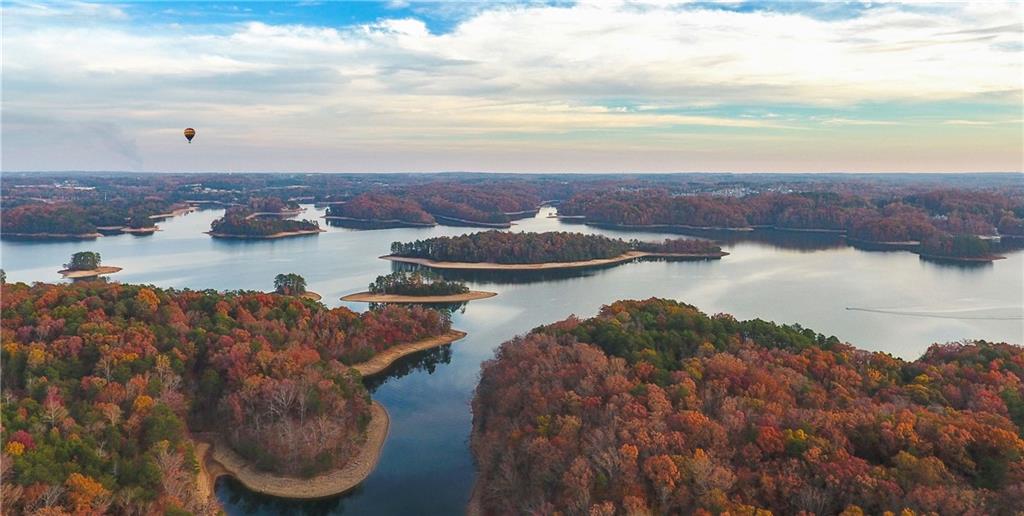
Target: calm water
(426, 467)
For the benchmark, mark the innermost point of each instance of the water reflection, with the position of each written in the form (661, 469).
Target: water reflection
(425, 361)
(936, 261)
(500, 277)
(240, 500)
(793, 240)
(370, 224)
(513, 277)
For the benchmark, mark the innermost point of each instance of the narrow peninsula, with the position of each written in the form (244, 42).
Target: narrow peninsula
(383, 359)
(219, 459)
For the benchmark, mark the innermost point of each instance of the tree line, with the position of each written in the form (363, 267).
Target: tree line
(890, 218)
(508, 247)
(238, 220)
(554, 246)
(487, 203)
(83, 217)
(84, 261)
(381, 207)
(416, 283)
(677, 246)
(289, 284)
(421, 204)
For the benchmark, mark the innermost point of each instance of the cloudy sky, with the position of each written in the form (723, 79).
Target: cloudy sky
(534, 87)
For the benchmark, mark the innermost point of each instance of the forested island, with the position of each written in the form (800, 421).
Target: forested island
(679, 248)
(83, 220)
(957, 248)
(904, 222)
(380, 211)
(653, 407)
(416, 283)
(450, 204)
(47, 221)
(508, 247)
(106, 383)
(416, 287)
(556, 249)
(273, 207)
(477, 206)
(86, 265)
(260, 219)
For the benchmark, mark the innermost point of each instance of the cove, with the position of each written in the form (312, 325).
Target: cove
(426, 466)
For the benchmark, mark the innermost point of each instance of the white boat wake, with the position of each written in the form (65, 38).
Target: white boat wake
(1001, 313)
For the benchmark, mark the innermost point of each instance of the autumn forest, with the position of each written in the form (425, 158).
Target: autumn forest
(123, 397)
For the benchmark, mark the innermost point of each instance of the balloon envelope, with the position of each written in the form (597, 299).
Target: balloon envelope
(189, 134)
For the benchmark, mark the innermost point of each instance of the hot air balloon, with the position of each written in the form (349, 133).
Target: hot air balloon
(189, 134)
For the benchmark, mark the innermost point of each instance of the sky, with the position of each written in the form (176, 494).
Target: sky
(605, 86)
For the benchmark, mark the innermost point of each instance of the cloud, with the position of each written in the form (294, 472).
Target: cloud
(87, 142)
(68, 10)
(505, 73)
(1016, 121)
(853, 121)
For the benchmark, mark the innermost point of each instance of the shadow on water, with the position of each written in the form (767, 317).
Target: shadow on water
(426, 360)
(242, 501)
(947, 263)
(791, 240)
(506, 277)
(447, 308)
(371, 224)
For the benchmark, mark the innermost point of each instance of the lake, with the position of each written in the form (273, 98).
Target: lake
(901, 304)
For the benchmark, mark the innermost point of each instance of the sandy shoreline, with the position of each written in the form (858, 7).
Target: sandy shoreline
(91, 273)
(964, 259)
(882, 242)
(141, 231)
(740, 229)
(610, 225)
(284, 213)
(457, 222)
(382, 360)
(60, 236)
(173, 213)
(892, 245)
(811, 230)
(369, 297)
(490, 266)
(282, 234)
(397, 222)
(208, 473)
(218, 459)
